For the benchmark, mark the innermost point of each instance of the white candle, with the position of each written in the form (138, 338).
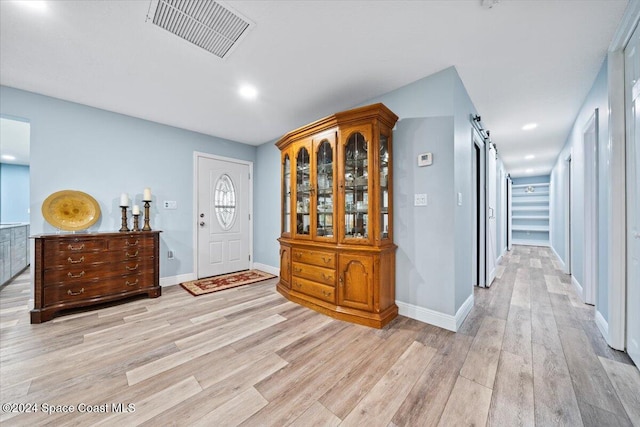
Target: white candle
(147, 194)
(124, 199)
(136, 210)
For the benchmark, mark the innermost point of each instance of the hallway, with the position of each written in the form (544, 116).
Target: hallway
(528, 354)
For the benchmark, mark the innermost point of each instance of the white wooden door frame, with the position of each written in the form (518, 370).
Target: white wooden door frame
(614, 330)
(477, 141)
(568, 182)
(509, 213)
(590, 146)
(490, 238)
(196, 156)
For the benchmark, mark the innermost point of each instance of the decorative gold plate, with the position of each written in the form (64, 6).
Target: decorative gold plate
(71, 210)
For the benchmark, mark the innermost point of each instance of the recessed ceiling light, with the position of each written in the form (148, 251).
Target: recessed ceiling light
(8, 157)
(530, 126)
(248, 92)
(36, 5)
(529, 156)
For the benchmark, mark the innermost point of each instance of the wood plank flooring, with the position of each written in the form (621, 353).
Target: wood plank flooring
(528, 354)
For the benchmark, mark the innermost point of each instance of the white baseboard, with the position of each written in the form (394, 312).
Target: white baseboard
(267, 268)
(432, 317)
(174, 280)
(564, 267)
(602, 325)
(578, 287)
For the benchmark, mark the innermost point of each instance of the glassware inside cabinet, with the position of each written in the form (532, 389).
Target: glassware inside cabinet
(303, 192)
(324, 196)
(384, 186)
(356, 187)
(286, 196)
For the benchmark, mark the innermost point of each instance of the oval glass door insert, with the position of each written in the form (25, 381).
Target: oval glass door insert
(225, 202)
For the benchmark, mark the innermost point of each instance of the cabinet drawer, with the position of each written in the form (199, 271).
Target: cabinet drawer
(316, 290)
(317, 274)
(66, 259)
(5, 235)
(89, 272)
(73, 246)
(94, 289)
(131, 243)
(319, 258)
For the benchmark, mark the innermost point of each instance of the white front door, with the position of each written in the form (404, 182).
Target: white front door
(492, 238)
(632, 87)
(223, 220)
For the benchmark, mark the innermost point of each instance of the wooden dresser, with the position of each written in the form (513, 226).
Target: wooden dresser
(78, 270)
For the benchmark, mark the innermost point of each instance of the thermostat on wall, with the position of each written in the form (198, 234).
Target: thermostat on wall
(425, 159)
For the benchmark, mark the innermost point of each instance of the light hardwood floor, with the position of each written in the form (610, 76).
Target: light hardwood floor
(528, 354)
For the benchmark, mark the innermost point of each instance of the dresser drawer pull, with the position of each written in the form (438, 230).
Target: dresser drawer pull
(132, 268)
(298, 254)
(327, 277)
(327, 260)
(75, 248)
(326, 294)
(299, 285)
(75, 276)
(72, 261)
(132, 283)
(132, 256)
(69, 292)
(297, 270)
(126, 242)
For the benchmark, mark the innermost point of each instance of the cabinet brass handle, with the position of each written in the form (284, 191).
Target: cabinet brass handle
(72, 261)
(69, 292)
(299, 285)
(75, 248)
(132, 283)
(326, 294)
(132, 268)
(298, 254)
(131, 244)
(75, 276)
(132, 256)
(297, 270)
(341, 279)
(327, 260)
(327, 277)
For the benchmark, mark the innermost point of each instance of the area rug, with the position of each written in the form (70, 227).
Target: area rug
(225, 281)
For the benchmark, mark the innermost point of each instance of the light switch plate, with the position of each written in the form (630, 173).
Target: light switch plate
(170, 204)
(459, 199)
(420, 200)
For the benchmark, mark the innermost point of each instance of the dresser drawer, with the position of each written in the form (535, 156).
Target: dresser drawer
(80, 258)
(319, 258)
(316, 290)
(317, 274)
(69, 292)
(89, 272)
(131, 243)
(73, 246)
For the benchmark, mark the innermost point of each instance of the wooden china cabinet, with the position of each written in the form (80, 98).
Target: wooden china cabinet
(337, 254)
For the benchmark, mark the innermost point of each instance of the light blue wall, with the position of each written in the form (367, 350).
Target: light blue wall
(104, 154)
(268, 207)
(597, 98)
(14, 193)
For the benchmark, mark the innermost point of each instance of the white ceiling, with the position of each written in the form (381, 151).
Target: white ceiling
(521, 61)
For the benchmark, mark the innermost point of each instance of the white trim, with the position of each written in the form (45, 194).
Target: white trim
(578, 287)
(196, 155)
(602, 325)
(436, 318)
(175, 280)
(558, 256)
(266, 268)
(590, 150)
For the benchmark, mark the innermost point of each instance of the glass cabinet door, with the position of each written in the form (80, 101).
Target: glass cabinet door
(324, 194)
(303, 192)
(356, 187)
(384, 162)
(286, 195)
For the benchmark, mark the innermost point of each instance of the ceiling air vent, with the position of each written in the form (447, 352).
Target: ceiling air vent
(211, 25)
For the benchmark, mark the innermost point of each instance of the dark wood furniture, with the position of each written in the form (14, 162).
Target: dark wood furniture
(78, 270)
(337, 254)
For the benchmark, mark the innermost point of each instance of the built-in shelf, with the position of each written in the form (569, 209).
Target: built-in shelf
(530, 212)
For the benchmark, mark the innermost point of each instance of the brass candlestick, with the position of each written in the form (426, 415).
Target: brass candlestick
(124, 219)
(136, 224)
(146, 227)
